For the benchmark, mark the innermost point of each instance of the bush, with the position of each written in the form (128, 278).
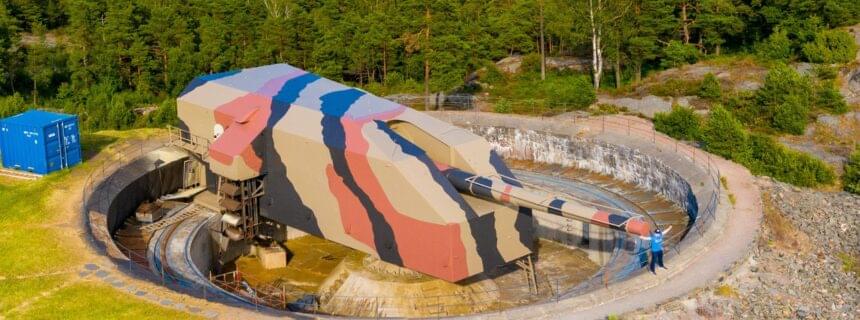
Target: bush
(675, 88)
(710, 88)
(770, 158)
(493, 75)
(791, 116)
(502, 106)
(851, 177)
(677, 54)
(784, 100)
(743, 106)
(12, 105)
(604, 109)
(724, 135)
(681, 123)
(828, 98)
(776, 47)
(780, 82)
(163, 116)
(531, 63)
(569, 93)
(830, 46)
(825, 72)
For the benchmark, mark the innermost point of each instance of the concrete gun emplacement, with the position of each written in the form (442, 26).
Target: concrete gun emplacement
(290, 148)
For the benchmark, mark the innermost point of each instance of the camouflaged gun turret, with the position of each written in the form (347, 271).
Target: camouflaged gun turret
(365, 172)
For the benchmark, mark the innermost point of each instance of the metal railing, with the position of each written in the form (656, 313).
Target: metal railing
(188, 141)
(228, 288)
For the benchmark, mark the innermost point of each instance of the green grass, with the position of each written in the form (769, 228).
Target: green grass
(31, 243)
(88, 300)
(16, 291)
(23, 202)
(30, 250)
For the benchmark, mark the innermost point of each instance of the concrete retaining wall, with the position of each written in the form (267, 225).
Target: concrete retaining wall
(146, 178)
(201, 247)
(619, 161)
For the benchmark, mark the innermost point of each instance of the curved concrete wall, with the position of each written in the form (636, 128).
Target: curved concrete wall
(201, 247)
(621, 162)
(115, 197)
(155, 174)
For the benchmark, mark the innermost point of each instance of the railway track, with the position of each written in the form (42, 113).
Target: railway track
(187, 212)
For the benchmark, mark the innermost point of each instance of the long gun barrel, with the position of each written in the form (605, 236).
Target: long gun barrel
(508, 190)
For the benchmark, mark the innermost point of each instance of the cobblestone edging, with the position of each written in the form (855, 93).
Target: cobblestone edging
(96, 272)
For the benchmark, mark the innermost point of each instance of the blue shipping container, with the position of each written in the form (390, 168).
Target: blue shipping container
(40, 142)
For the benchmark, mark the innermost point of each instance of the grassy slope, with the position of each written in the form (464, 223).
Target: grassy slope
(87, 300)
(38, 239)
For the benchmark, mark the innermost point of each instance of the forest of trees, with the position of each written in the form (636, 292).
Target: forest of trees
(110, 61)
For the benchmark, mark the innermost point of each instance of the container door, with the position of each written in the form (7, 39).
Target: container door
(53, 148)
(5, 152)
(71, 143)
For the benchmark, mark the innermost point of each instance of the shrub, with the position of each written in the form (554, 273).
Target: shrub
(12, 105)
(828, 98)
(770, 158)
(164, 115)
(677, 54)
(851, 176)
(604, 109)
(531, 63)
(568, 93)
(710, 88)
(825, 72)
(493, 75)
(776, 47)
(791, 116)
(502, 106)
(681, 123)
(743, 106)
(724, 135)
(675, 88)
(783, 102)
(780, 82)
(830, 46)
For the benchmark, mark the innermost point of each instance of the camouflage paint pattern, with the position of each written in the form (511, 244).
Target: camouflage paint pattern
(356, 169)
(502, 189)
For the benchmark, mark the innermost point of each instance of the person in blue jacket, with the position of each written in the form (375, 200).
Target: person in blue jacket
(656, 239)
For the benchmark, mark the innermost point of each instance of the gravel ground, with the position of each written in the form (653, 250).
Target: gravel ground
(797, 269)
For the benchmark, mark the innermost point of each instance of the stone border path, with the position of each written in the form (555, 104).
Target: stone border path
(95, 272)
